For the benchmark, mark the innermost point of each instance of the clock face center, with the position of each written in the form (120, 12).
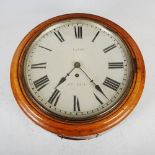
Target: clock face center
(51, 71)
(77, 65)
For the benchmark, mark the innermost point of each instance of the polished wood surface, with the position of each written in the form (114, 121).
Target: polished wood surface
(69, 129)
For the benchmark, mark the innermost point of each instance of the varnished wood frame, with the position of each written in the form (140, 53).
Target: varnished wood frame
(82, 130)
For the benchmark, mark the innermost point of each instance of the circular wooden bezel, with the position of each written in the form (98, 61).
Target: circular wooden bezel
(80, 130)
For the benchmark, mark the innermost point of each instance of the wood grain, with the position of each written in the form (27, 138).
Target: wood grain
(67, 129)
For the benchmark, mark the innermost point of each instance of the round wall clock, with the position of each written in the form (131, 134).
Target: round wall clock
(77, 75)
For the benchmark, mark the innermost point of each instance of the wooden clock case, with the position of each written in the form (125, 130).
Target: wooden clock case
(69, 129)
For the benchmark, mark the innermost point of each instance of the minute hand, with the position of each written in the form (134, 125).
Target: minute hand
(97, 87)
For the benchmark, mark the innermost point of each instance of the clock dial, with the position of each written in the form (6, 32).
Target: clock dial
(78, 69)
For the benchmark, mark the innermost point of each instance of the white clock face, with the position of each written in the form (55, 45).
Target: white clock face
(77, 69)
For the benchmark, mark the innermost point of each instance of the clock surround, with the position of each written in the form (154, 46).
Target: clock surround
(81, 129)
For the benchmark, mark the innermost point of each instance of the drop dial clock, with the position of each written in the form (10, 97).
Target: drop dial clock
(77, 75)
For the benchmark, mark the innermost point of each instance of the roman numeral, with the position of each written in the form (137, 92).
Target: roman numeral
(45, 48)
(76, 104)
(54, 97)
(98, 99)
(115, 65)
(59, 36)
(41, 83)
(109, 48)
(95, 36)
(78, 32)
(39, 65)
(111, 83)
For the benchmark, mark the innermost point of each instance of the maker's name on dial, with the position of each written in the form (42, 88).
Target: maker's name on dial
(76, 84)
(78, 49)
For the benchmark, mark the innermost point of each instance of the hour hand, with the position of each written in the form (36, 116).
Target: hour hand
(63, 79)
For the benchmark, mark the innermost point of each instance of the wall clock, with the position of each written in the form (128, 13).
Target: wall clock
(77, 75)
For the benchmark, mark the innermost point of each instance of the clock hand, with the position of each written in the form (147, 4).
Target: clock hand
(63, 79)
(97, 87)
(100, 90)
